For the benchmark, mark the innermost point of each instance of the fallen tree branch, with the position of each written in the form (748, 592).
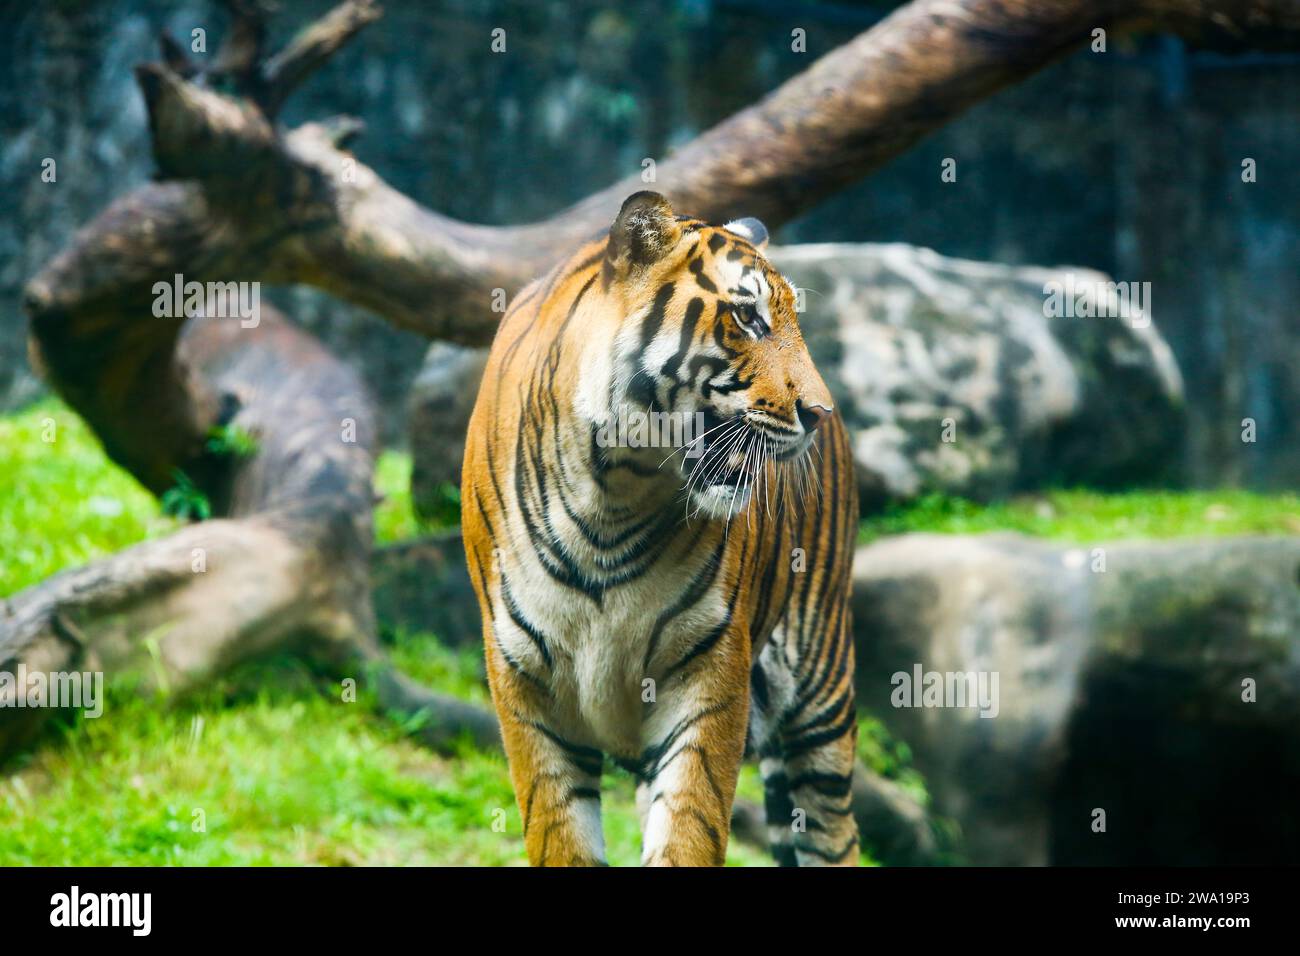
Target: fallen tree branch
(285, 566)
(441, 719)
(317, 215)
(312, 48)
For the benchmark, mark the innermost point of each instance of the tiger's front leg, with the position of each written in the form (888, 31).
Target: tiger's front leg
(556, 781)
(694, 740)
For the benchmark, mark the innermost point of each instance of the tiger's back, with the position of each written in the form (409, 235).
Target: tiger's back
(653, 603)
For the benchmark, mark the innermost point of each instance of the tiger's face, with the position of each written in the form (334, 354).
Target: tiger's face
(711, 336)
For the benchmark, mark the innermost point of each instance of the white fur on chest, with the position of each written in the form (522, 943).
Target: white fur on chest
(601, 682)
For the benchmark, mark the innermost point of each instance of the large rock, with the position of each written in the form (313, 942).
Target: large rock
(919, 348)
(1158, 682)
(952, 377)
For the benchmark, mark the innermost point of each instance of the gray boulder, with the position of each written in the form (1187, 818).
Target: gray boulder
(952, 377)
(1156, 682)
(919, 348)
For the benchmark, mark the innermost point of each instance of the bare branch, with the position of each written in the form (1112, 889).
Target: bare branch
(312, 47)
(175, 56)
(320, 216)
(240, 53)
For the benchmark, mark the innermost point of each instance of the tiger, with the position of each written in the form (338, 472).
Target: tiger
(671, 609)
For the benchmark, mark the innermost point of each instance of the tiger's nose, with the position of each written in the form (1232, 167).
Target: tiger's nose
(812, 416)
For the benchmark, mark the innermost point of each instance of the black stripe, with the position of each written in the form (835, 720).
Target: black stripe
(701, 647)
(655, 318)
(703, 281)
(587, 759)
(698, 587)
(671, 367)
(517, 615)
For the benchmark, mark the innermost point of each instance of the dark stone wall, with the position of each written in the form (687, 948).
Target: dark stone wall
(1128, 161)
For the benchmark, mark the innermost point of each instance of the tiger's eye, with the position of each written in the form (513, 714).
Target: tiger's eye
(746, 314)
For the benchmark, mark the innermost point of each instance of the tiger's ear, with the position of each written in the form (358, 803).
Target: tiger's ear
(644, 232)
(751, 230)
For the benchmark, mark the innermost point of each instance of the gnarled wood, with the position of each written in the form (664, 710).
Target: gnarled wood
(317, 215)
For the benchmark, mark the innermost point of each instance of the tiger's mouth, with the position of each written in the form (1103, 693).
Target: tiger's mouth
(729, 459)
(743, 456)
(729, 470)
(721, 480)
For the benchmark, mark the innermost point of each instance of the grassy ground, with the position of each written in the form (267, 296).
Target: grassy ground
(1085, 516)
(61, 501)
(271, 766)
(270, 769)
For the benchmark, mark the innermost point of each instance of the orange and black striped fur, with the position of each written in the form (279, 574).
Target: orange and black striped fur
(661, 605)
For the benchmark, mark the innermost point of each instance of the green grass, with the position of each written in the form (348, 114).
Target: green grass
(1085, 516)
(890, 758)
(62, 502)
(394, 518)
(283, 771)
(283, 774)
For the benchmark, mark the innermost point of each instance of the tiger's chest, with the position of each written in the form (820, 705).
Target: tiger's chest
(606, 654)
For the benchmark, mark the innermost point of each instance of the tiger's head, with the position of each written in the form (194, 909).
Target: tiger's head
(708, 332)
